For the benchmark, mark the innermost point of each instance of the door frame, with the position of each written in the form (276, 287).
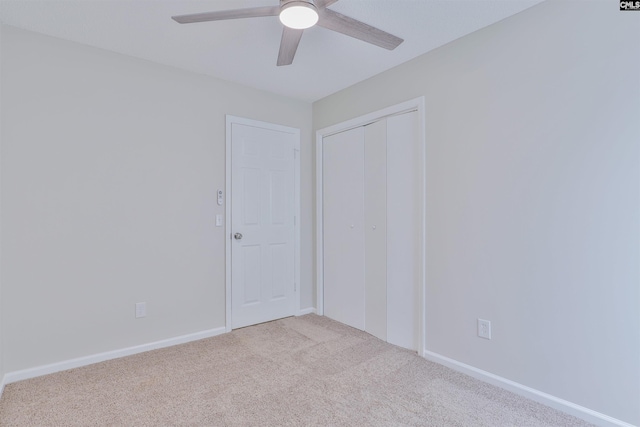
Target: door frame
(228, 197)
(416, 104)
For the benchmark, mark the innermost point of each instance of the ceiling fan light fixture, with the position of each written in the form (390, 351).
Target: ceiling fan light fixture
(299, 14)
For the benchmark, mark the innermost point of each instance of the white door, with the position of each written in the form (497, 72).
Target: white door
(262, 224)
(371, 228)
(375, 219)
(343, 222)
(355, 227)
(403, 229)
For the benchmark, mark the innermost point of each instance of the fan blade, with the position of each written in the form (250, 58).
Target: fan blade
(252, 12)
(321, 4)
(351, 27)
(289, 45)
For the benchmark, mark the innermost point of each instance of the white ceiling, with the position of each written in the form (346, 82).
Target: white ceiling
(245, 50)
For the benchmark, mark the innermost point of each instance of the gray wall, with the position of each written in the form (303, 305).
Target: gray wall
(533, 197)
(1, 323)
(110, 166)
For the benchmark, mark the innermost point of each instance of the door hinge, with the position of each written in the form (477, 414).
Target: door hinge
(295, 288)
(295, 220)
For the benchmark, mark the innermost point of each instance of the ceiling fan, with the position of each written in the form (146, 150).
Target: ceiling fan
(296, 16)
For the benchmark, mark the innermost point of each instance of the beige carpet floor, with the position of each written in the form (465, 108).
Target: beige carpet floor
(305, 371)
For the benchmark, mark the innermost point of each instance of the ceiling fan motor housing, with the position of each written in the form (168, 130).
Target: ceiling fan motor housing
(288, 3)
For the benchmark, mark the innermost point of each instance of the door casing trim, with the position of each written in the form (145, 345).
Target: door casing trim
(416, 104)
(230, 120)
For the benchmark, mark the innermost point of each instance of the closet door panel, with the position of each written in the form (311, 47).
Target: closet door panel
(343, 224)
(403, 232)
(375, 219)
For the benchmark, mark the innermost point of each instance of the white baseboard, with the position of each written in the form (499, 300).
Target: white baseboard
(565, 406)
(3, 381)
(12, 377)
(308, 310)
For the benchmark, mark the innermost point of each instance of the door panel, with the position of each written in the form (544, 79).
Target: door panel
(251, 274)
(403, 238)
(278, 255)
(262, 211)
(375, 215)
(251, 196)
(343, 223)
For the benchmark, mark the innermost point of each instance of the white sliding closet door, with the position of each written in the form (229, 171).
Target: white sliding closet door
(343, 222)
(372, 228)
(375, 218)
(403, 232)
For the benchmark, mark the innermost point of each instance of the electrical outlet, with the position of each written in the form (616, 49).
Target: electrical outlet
(484, 329)
(141, 309)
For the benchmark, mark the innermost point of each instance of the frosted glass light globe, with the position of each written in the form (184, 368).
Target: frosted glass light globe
(299, 15)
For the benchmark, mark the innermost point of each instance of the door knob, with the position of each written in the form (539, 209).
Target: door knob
(237, 236)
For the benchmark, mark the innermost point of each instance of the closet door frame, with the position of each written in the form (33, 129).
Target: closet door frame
(416, 104)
